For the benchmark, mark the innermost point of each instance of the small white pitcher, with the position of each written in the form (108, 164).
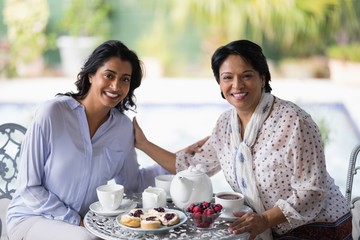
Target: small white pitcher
(153, 197)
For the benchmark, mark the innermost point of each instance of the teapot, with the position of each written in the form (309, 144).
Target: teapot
(190, 186)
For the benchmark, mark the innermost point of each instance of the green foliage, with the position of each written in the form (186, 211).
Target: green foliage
(324, 130)
(298, 28)
(86, 18)
(345, 52)
(26, 26)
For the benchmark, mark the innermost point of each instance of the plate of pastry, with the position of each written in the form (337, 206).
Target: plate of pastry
(152, 220)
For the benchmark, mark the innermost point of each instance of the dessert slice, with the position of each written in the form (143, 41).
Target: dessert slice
(133, 218)
(150, 222)
(169, 219)
(156, 211)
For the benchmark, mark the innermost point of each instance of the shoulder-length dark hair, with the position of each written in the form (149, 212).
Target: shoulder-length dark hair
(249, 51)
(108, 49)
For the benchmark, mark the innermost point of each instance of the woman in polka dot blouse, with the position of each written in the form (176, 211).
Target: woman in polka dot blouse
(269, 149)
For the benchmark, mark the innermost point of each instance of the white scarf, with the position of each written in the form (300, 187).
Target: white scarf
(243, 168)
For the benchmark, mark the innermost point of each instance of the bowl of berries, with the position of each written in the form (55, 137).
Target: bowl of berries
(203, 214)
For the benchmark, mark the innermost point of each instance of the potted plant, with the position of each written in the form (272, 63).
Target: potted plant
(26, 36)
(344, 61)
(84, 24)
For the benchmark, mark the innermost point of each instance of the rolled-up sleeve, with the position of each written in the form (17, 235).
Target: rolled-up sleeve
(207, 157)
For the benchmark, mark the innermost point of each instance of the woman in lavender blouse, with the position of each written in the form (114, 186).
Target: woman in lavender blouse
(76, 142)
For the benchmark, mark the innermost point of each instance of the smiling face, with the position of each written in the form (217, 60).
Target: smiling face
(110, 84)
(241, 84)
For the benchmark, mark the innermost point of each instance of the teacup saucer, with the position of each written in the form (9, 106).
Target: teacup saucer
(232, 218)
(126, 205)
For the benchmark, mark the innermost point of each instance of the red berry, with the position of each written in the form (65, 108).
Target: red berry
(205, 204)
(191, 207)
(210, 211)
(197, 209)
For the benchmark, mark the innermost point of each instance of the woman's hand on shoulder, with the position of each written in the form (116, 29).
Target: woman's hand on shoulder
(140, 138)
(196, 147)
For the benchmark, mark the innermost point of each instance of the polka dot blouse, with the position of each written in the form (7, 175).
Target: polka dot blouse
(288, 163)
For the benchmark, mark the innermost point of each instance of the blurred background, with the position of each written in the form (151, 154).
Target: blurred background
(313, 50)
(177, 38)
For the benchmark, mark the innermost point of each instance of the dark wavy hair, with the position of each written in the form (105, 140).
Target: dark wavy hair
(249, 51)
(108, 49)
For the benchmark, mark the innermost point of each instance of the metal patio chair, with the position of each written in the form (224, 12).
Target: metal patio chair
(354, 202)
(11, 135)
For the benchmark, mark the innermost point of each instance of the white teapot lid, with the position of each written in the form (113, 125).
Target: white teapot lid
(194, 170)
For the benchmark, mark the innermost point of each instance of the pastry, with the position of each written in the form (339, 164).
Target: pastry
(150, 222)
(132, 219)
(156, 211)
(169, 219)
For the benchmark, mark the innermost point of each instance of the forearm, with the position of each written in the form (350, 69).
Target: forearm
(274, 216)
(163, 157)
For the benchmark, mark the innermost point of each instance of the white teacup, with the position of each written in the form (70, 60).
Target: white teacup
(154, 197)
(110, 196)
(164, 182)
(231, 201)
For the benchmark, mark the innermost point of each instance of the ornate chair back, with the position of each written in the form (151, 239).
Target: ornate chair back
(354, 202)
(11, 136)
(352, 170)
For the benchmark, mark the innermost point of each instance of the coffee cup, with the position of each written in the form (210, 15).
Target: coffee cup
(164, 182)
(231, 201)
(110, 196)
(153, 197)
